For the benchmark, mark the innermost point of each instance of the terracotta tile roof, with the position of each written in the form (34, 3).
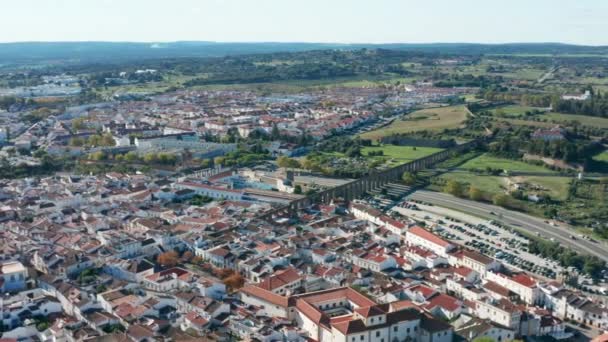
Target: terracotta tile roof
(196, 319)
(401, 305)
(524, 280)
(463, 271)
(444, 301)
(280, 278)
(311, 312)
(369, 311)
(477, 257)
(425, 291)
(265, 295)
(496, 288)
(340, 292)
(425, 234)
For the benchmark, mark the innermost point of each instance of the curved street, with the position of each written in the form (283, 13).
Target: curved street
(521, 221)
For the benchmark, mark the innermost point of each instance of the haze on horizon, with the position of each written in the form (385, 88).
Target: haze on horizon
(333, 21)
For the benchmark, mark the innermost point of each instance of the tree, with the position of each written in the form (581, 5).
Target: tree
(475, 194)
(287, 162)
(275, 133)
(99, 155)
(130, 157)
(409, 178)
(197, 260)
(107, 140)
(234, 281)
(453, 187)
(78, 124)
(353, 152)
(77, 141)
(297, 189)
(219, 160)
(500, 200)
(150, 157)
(166, 158)
(168, 259)
(187, 256)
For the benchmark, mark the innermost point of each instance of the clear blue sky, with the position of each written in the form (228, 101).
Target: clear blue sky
(344, 21)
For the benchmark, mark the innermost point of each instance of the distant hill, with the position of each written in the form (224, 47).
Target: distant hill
(109, 52)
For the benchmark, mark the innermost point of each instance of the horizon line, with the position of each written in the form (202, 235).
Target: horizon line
(299, 42)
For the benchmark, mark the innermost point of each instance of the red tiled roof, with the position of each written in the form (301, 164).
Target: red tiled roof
(196, 319)
(477, 257)
(444, 301)
(425, 234)
(402, 304)
(336, 293)
(424, 290)
(265, 295)
(280, 278)
(496, 288)
(463, 271)
(524, 280)
(369, 311)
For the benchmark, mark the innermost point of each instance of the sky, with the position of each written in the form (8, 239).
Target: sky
(336, 21)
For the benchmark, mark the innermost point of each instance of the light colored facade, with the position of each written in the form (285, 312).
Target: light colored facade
(521, 284)
(417, 236)
(13, 276)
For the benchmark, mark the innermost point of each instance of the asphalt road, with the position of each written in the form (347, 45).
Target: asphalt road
(521, 221)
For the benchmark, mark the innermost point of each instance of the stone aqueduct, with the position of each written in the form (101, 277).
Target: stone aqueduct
(375, 179)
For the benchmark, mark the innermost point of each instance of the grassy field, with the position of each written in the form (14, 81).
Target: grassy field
(555, 187)
(486, 160)
(603, 157)
(513, 110)
(396, 155)
(488, 184)
(583, 119)
(434, 119)
(551, 119)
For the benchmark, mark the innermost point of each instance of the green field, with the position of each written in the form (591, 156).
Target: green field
(551, 119)
(487, 184)
(434, 119)
(555, 187)
(603, 157)
(486, 160)
(584, 120)
(514, 110)
(396, 155)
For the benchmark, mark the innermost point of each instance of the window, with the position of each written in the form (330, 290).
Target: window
(416, 328)
(372, 319)
(362, 337)
(377, 334)
(353, 339)
(395, 328)
(408, 330)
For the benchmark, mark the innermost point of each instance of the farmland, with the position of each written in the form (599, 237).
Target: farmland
(486, 160)
(433, 119)
(396, 155)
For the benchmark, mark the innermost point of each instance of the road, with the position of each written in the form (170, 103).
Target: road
(525, 222)
(547, 75)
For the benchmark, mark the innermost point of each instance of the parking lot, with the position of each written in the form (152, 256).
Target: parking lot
(485, 236)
